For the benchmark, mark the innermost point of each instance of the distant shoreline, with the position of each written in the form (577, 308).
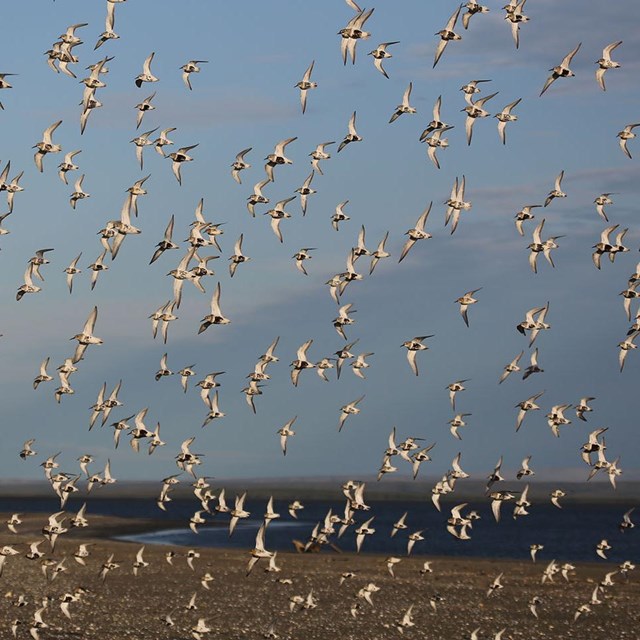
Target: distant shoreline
(599, 492)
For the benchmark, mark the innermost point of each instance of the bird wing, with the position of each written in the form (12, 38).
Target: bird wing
(566, 61)
(407, 95)
(307, 74)
(146, 67)
(442, 44)
(279, 148)
(352, 125)
(215, 302)
(606, 52)
(453, 19)
(46, 136)
(91, 322)
(550, 80)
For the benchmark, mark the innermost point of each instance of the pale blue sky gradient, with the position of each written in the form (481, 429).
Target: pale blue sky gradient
(245, 97)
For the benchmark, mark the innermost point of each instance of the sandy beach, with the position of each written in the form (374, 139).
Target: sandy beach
(236, 606)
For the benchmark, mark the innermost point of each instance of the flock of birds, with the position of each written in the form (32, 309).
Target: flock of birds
(194, 268)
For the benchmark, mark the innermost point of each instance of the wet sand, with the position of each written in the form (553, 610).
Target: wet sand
(239, 607)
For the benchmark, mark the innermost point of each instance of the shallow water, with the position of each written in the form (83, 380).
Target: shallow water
(570, 533)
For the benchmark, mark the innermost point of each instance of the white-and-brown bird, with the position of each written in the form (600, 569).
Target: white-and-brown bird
(605, 63)
(301, 362)
(178, 158)
(318, 154)
(562, 70)
(446, 35)
(305, 191)
(379, 54)
(146, 75)
(277, 158)
(189, 68)
(472, 8)
(475, 110)
(349, 409)
(416, 233)
(305, 84)
(216, 316)
(404, 107)
(353, 32)
(413, 346)
(456, 204)
(625, 135)
(46, 145)
(504, 117)
(465, 301)
(240, 164)
(352, 134)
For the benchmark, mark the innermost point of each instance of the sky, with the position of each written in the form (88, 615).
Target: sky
(245, 96)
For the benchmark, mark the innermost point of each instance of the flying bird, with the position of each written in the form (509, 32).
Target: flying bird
(533, 365)
(379, 54)
(601, 201)
(624, 136)
(79, 193)
(475, 110)
(464, 302)
(556, 192)
(86, 337)
(416, 233)
(285, 432)
(349, 409)
(189, 68)
(278, 214)
(166, 243)
(238, 256)
(301, 362)
(404, 107)
(413, 346)
(143, 107)
(141, 142)
(46, 145)
(562, 70)
(436, 122)
(456, 204)
(318, 154)
(146, 75)
(352, 135)
(605, 63)
(523, 215)
(526, 405)
(68, 165)
(472, 8)
(277, 157)
(446, 35)
(257, 197)
(216, 316)
(515, 17)
(240, 164)
(305, 84)
(178, 158)
(305, 191)
(504, 117)
(353, 32)
(4, 84)
(109, 24)
(434, 142)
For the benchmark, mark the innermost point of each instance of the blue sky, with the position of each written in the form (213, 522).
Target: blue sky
(245, 97)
